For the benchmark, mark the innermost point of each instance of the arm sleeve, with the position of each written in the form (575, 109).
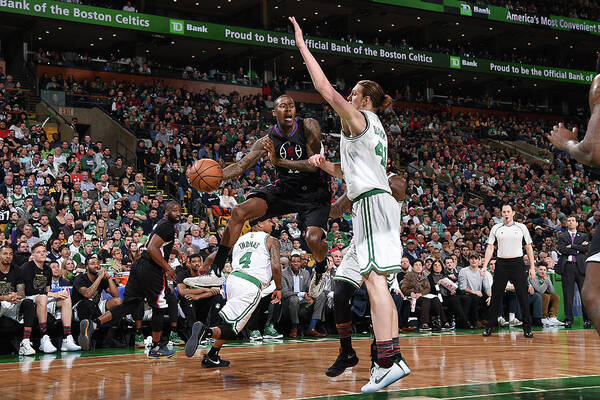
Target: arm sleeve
(462, 280)
(536, 286)
(486, 285)
(550, 286)
(492, 237)
(526, 234)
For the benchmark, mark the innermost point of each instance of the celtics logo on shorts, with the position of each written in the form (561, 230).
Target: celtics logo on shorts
(289, 151)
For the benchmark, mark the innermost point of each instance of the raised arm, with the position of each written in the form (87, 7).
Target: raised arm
(356, 121)
(588, 150)
(313, 146)
(235, 170)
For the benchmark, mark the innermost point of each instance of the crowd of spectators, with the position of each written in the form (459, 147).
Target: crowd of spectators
(93, 213)
(584, 9)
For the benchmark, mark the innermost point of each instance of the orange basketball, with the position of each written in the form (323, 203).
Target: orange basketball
(205, 175)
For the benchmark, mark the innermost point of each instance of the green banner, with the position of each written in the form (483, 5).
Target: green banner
(494, 13)
(256, 37)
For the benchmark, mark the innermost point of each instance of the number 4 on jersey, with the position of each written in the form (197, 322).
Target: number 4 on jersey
(381, 151)
(245, 260)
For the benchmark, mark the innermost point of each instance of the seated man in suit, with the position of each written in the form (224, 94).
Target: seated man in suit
(296, 300)
(573, 247)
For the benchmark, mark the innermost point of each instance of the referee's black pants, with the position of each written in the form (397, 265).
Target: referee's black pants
(509, 269)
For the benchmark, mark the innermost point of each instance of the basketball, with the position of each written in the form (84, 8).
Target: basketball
(205, 175)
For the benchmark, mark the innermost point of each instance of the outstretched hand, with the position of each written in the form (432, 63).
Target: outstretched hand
(560, 136)
(317, 160)
(297, 32)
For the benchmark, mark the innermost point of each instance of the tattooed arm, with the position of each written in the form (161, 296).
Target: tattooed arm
(235, 170)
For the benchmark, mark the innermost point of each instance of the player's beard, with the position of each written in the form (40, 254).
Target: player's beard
(172, 219)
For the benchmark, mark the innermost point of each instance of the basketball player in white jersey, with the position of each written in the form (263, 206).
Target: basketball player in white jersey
(255, 262)
(377, 217)
(348, 280)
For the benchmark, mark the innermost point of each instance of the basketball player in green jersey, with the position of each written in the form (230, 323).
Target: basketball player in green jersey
(587, 152)
(363, 148)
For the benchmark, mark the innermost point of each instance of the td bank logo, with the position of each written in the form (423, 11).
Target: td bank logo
(455, 62)
(465, 9)
(176, 26)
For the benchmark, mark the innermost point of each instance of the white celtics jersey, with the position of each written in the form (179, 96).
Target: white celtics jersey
(17, 201)
(364, 158)
(251, 256)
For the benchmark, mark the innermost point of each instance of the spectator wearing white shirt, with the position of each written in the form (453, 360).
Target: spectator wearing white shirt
(129, 7)
(509, 266)
(227, 199)
(411, 215)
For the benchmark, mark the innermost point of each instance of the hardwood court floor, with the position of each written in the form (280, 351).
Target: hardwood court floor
(553, 365)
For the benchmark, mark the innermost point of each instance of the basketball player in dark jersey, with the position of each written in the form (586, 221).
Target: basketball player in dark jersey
(587, 152)
(300, 188)
(148, 281)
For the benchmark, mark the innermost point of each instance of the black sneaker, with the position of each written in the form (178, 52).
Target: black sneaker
(161, 351)
(487, 332)
(527, 333)
(198, 334)
(86, 330)
(216, 362)
(342, 362)
(112, 343)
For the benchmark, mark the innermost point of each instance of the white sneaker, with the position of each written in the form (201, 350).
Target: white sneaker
(315, 289)
(25, 348)
(209, 280)
(515, 322)
(46, 345)
(148, 342)
(556, 322)
(502, 321)
(382, 377)
(68, 344)
(546, 322)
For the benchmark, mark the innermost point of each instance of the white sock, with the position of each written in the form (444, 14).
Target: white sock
(511, 316)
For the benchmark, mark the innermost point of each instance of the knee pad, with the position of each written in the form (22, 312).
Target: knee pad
(227, 332)
(342, 294)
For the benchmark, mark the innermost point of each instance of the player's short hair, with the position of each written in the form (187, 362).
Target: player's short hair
(172, 204)
(278, 99)
(196, 255)
(38, 244)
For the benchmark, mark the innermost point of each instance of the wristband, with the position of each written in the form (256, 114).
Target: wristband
(277, 288)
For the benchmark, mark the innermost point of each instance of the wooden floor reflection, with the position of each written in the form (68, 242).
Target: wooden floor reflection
(285, 371)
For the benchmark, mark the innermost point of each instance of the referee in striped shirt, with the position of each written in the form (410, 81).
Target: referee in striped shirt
(509, 266)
